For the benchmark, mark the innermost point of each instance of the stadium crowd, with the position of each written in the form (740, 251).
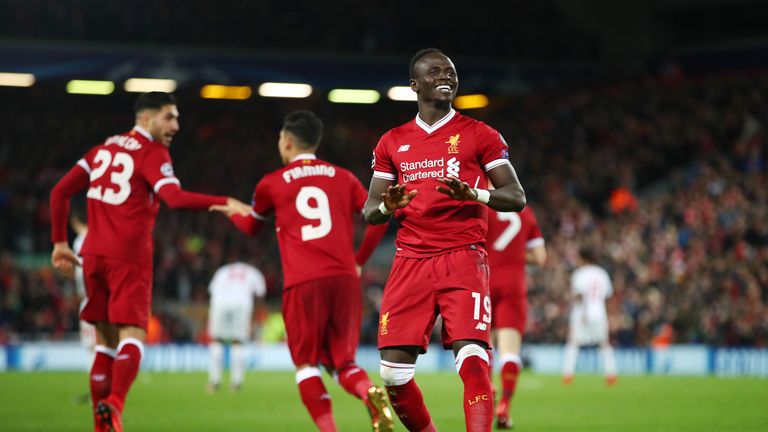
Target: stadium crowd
(666, 179)
(256, 26)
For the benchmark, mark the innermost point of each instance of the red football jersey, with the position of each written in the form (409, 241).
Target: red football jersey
(510, 234)
(125, 173)
(416, 155)
(314, 203)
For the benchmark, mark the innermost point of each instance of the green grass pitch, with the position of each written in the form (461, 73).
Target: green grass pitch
(269, 401)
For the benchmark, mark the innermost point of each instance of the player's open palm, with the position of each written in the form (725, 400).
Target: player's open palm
(457, 189)
(396, 197)
(64, 259)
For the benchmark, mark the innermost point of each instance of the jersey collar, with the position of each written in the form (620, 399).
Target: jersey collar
(144, 132)
(303, 156)
(429, 129)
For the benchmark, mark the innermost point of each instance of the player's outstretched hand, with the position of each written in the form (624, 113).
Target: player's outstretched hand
(232, 207)
(63, 258)
(456, 189)
(396, 197)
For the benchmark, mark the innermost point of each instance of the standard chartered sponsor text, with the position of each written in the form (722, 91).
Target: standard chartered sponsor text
(428, 168)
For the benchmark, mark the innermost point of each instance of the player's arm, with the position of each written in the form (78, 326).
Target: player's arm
(508, 195)
(262, 207)
(177, 198)
(536, 255)
(384, 197)
(250, 224)
(371, 239)
(75, 180)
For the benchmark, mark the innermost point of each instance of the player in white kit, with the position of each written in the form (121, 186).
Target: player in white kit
(232, 290)
(590, 287)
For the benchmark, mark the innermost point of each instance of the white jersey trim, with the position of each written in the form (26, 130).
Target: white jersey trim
(162, 182)
(84, 165)
(144, 132)
(538, 241)
(304, 156)
(440, 123)
(258, 216)
(384, 175)
(498, 162)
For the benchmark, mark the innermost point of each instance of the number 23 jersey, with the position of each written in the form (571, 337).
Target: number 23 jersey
(126, 172)
(314, 203)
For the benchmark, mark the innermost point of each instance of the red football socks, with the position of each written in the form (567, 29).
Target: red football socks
(355, 381)
(509, 373)
(318, 402)
(408, 403)
(124, 370)
(101, 374)
(478, 399)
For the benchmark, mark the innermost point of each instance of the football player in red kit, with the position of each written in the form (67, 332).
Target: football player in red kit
(125, 176)
(514, 240)
(315, 204)
(431, 174)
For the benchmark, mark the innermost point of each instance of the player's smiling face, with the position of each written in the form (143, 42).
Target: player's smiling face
(436, 78)
(164, 124)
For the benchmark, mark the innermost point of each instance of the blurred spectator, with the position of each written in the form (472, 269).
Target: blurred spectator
(691, 254)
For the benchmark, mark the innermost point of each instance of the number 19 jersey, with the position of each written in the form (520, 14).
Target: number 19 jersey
(314, 204)
(125, 171)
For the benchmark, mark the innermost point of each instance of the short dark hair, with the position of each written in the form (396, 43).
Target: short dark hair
(588, 254)
(419, 54)
(306, 126)
(153, 100)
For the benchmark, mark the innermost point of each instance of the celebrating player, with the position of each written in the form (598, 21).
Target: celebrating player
(124, 175)
(232, 289)
(315, 204)
(514, 240)
(431, 173)
(590, 286)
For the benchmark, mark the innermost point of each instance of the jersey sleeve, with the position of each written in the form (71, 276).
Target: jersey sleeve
(492, 147)
(534, 238)
(259, 284)
(576, 284)
(157, 169)
(382, 165)
(262, 203)
(214, 282)
(75, 180)
(359, 194)
(608, 285)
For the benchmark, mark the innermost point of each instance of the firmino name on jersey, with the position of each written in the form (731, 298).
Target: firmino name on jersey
(429, 168)
(123, 141)
(308, 171)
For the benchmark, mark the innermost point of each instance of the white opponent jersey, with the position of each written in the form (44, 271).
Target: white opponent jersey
(594, 285)
(236, 283)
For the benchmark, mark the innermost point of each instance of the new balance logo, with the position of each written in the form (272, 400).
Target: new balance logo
(404, 148)
(453, 167)
(481, 326)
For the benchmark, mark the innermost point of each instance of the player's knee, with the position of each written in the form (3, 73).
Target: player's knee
(308, 372)
(395, 374)
(468, 351)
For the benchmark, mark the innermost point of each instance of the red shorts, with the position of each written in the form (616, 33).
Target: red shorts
(510, 307)
(119, 292)
(455, 285)
(322, 321)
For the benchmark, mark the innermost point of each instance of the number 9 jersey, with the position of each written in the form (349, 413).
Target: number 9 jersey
(126, 172)
(314, 203)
